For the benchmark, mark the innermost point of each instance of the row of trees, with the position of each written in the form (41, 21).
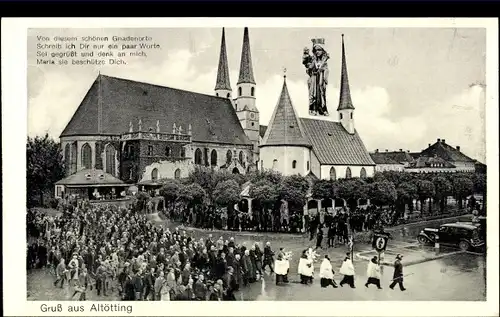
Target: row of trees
(207, 187)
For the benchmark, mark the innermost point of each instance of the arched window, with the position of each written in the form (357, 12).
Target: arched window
(341, 116)
(110, 159)
(252, 91)
(168, 152)
(294, 164)
(348, 173)
(177, 174)
(150, 150)
(74, 157)
(307, 166)
(198, 157)
(240, 157)
(217, 94)
(228, 95)
(229, 156)
(183, 152)
(351, 115)
(235, 171)
(67, 158)
(362, 174)
(86, 156)
(239, 91)
(275, 164)
(154, 174)
(213, 158)
(333, 174)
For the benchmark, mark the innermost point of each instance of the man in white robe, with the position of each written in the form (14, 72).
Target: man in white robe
(306, 268)
(326, 273)
(373, 273)
(347, 269)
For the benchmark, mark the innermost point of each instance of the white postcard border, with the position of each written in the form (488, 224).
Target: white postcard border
(14, 133)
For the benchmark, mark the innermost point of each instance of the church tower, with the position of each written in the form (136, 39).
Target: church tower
(345, 108)
(223, 85)
(245, 101)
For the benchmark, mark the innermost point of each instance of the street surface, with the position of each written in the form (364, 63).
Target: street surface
(460, 276)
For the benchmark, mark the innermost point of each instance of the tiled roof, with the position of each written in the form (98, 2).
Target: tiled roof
(425, 161)
(345, 101)
(284, 127)
(212, 119)
(246, 69)
(90, 177)
(262, 130)
(415, 155)
(332, 144)
(399, 156)
(223, 81)
(446, 152)
(381, 158)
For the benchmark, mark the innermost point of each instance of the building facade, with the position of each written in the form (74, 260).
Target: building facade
(323, 148)
(140, 132)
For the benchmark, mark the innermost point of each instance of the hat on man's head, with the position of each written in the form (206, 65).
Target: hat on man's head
(399, 257)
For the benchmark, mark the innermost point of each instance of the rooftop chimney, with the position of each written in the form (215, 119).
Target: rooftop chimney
(400, 150)
(430, 145)
(439, 140)
(458, 148)
(376, 150)
(443, 141)
(408, 151)
(386, 150)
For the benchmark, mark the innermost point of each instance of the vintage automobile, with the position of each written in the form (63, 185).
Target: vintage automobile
(465, 235)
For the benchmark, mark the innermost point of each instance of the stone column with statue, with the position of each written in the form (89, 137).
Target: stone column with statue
(317, 69)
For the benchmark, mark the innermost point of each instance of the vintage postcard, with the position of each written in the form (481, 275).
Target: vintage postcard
(277, 162)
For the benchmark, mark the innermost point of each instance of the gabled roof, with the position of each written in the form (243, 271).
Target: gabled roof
(223, 70)
(284, 127)
(345, 101)
(122, 101)
(398, 156)
(333, 145)
(431, 162)
(381, 158)
(91, 177)
(246, 69)
(446, 152)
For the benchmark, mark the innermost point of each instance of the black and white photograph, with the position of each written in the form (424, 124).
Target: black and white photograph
(257, 162)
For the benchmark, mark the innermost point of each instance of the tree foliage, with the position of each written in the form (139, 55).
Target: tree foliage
(44, 167)
(227, 193)
(294, 190)
(382, 193)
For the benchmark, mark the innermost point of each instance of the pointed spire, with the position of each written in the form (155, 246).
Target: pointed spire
(285, 127)
(246, 70)
(223, 71)
(345, 101)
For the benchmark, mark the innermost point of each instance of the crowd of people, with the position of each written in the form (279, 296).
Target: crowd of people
(115, 250)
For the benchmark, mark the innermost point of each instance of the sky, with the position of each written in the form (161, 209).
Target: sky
(409, 86)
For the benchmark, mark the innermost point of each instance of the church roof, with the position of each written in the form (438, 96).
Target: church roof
(333, 145)
(382, 158)
(246, 69)
(424, 161)
(223, 81)
(91, 177)
(446, 152)
(121, 101)
(285, 127)
(345, 101)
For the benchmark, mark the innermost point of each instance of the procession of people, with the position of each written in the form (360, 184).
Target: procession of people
(115, 251)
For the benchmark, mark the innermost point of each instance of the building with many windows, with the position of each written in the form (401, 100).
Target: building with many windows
(140, 132)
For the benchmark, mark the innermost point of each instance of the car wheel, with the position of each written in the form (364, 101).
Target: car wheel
(464, 246)
(422, 240)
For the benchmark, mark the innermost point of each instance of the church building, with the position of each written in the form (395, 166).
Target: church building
(139, 132)
(308, 146)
